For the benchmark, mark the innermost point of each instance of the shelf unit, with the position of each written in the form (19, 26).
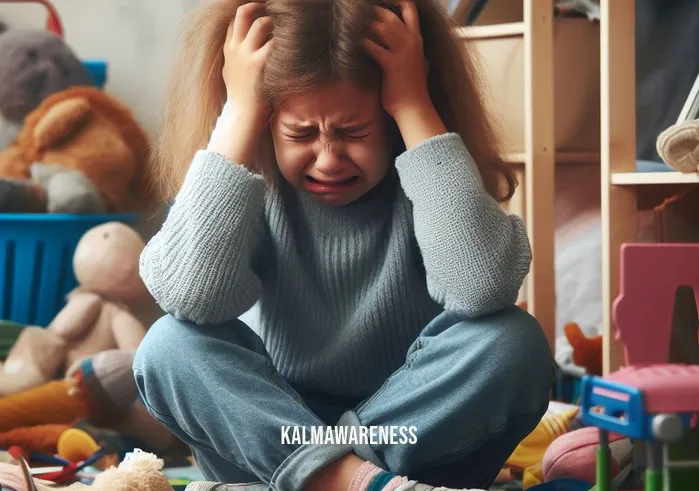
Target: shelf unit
(535, 202)
(622, 188)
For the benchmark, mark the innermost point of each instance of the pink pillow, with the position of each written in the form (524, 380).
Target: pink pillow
(574, 455)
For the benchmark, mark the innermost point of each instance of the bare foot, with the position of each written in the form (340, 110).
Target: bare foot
(336, 476)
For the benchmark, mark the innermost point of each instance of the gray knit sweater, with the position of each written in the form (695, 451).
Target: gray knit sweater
(342, 291)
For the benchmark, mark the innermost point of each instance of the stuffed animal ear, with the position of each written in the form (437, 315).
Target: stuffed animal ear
(61, 120)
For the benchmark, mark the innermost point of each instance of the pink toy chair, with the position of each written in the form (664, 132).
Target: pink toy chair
(643, 311)
(649, 399)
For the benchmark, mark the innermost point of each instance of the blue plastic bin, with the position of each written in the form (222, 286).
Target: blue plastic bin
(98, 71)
(36, 262)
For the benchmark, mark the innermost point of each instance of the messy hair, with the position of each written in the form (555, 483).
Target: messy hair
(317, 42)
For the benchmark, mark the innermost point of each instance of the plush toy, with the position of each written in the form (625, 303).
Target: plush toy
(573, 455)
(587, 352)
(678, 146)
(106, 387)
(139, 471)
(81, 150)
(98, 316)
(33, 65)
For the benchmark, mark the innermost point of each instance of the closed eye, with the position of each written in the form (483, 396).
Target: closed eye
(356, 136)
(299, 137)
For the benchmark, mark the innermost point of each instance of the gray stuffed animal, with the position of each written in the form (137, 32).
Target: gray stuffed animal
(33, 65)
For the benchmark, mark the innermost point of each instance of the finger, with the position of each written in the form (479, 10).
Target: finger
(244, 17)
(264, 50)
(389, 28)
(376, 51)
(387, 14)
(381, 34)
(410, 15)
(259, 32)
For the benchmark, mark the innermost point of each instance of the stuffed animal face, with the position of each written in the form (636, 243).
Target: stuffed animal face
(106, 262)
(33, 65)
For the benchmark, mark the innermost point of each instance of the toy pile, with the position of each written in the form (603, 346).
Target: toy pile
(65, 145)
(68, 398)
(138, 470)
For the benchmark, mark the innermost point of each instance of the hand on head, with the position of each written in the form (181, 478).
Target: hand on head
(398, 49)
(246, 112)
(247, 46)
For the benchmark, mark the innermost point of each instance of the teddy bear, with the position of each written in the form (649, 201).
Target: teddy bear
(33, 65)
(139, 471)
(80, 151)
(109, 309)
(678, 146)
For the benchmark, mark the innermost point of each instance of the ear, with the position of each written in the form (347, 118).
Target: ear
(3, 27)
(60, 120)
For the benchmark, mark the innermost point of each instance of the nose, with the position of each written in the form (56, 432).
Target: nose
(329, 160)
(38, 82)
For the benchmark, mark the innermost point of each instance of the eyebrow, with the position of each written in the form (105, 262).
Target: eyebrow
(349, 128)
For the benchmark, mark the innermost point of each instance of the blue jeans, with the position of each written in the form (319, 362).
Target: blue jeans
(472, 388)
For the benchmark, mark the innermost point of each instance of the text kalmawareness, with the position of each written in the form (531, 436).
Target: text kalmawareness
(352, 435)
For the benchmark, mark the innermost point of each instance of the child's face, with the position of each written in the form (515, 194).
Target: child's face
(332, 142)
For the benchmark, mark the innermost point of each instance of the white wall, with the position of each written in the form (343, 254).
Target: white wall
(135, 37)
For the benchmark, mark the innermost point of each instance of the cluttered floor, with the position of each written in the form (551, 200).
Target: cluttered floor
(88, 426)
(73, 429)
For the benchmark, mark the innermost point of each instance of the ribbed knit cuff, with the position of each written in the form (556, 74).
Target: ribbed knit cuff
(424, 168)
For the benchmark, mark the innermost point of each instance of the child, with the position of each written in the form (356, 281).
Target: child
(349, 189)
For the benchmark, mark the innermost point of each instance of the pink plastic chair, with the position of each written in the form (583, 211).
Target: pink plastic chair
(642, 313)
(651, 398)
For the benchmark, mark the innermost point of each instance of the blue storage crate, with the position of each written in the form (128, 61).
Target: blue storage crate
(98, 71)
(36, 262)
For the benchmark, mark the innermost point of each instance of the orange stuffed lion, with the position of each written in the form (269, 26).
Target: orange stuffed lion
(88, 133)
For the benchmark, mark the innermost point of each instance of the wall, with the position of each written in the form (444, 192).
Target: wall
(135, 37)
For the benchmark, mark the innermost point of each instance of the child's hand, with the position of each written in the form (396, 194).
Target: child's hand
(245, 53)
(401, 57)
(404, 92)
(245, 113)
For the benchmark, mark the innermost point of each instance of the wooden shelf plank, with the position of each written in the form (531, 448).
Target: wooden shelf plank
(539, 175)
(618, 152)
(512, 29)
(650, 178)
(560, 158)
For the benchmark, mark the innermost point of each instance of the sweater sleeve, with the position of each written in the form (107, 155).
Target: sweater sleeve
(198, 267)
(475, 255)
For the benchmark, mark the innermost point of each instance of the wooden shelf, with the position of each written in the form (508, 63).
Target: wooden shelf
(560, 158)
(650, 178)
(513, 29)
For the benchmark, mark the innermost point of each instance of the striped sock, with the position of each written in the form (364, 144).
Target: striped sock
(372, 478)
(364, 476)
(385, 481)
(393, 484)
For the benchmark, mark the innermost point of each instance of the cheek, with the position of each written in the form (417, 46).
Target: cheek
(371, 157)
(292, 158)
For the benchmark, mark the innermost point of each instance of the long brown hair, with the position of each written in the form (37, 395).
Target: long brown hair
(316, 43)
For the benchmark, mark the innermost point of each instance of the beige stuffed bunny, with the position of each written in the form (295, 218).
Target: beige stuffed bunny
(99, 314)
(140, 471)
(678, 146)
